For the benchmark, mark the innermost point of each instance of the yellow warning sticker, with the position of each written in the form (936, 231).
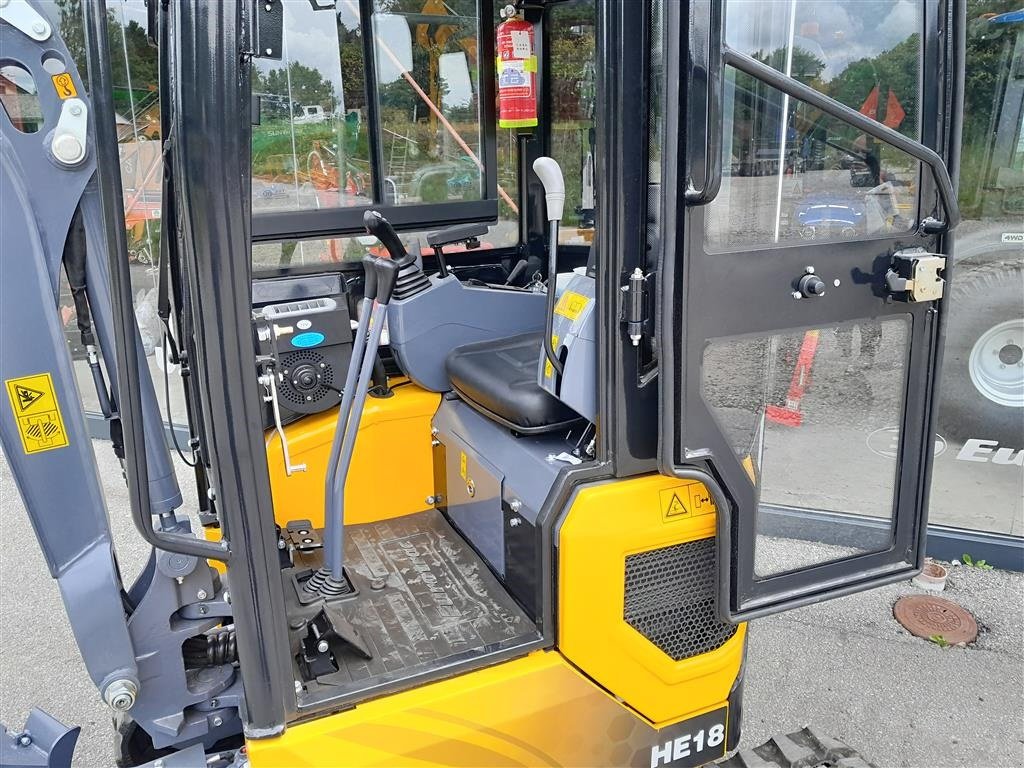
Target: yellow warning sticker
(463, 471)
(672, 505)
(701, 502)
(548, 368)
(685, 501)
(571, 305)
(64, 84)
(37, 413)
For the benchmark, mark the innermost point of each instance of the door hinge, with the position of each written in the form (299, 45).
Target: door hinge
(916, 276)
(635, 309)
(268, 29)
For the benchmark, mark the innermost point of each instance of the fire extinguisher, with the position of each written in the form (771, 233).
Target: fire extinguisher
(517, 71)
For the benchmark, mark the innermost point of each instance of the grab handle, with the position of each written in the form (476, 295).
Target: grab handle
(706, 38)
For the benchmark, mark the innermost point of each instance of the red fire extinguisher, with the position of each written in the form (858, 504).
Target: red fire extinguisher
(517, 72)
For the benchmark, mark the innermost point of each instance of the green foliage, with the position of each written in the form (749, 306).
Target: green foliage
(967, 560)
(940, 641)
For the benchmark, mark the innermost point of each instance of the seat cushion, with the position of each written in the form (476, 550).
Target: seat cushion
(499, 378)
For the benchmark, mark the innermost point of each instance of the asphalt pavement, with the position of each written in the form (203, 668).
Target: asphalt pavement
(845, 667)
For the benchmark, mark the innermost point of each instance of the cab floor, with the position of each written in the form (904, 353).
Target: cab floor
(425, 601)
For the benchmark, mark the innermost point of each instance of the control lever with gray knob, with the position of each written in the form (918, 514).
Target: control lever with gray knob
(550, 175)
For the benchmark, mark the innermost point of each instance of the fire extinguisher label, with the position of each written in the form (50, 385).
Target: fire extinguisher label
(514, 81)
(521, 44)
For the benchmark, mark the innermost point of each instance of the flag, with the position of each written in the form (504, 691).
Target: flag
(894, 112)
(870, 105)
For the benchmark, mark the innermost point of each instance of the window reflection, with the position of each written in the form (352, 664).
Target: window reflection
(800, 409)
(330, 253)
(573, 82)
(428, 94)
(865, 54)
(310, 149)
(791, 173)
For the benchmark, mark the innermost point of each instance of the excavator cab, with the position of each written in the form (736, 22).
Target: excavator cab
(508, 496)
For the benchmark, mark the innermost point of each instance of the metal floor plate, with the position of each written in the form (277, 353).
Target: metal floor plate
(425, 601)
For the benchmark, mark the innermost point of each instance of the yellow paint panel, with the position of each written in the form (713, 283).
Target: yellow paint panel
(37, 413)
(392, 469)
(605, 524)
(532, 711)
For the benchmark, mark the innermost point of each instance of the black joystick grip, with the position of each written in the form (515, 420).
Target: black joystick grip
(387, 276)
(381, 228)
(370, 280)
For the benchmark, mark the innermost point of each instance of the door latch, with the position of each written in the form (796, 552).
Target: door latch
(916, 276)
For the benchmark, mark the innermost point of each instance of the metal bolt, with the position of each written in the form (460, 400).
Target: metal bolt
(433, 431)
(68, 149)
(435, 443)
(158, 764)
(204, 609)
(515, 522)
(322, 646)
(25, 740)
(211, 493)
(214, 702)
(1002, 366)
(269, 7)
(269, 51)
(298, 686)
(227, 597)
(39, 28)
(75, 110)
(323, 365)
(809, 269)
(217, 721)
(281, 544)
(796, 295)
(180, 579)
(201, 594)
(120, 694)
(515, 505)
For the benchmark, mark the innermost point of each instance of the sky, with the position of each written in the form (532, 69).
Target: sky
(842, 31)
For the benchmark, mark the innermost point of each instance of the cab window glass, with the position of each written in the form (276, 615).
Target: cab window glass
(865, 54)
(573, 71)
(427, 83)
(311, 148)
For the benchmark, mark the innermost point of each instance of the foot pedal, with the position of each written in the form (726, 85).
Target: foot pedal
(328, 634)
(302, 536)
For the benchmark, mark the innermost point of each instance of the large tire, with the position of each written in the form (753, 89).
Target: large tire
(804, 749)
(981, 303)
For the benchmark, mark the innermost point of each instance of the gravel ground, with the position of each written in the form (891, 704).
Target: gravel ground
(845, 666)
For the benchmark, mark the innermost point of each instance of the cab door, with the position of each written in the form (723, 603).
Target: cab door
(803, 281)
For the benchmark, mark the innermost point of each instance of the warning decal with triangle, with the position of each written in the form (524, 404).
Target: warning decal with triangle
(26, 396)
(685, 501)
(37, 413)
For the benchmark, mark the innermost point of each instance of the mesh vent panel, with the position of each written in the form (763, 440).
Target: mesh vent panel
(670, 599)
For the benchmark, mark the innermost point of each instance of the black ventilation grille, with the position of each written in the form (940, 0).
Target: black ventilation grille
(294, 396)
(670, 599)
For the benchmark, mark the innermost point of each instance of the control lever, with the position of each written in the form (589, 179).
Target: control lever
(517, 270)
(381, 228)
(332, 526)
(269, 382)
(410, 279)
(381, 278)
(550, 175)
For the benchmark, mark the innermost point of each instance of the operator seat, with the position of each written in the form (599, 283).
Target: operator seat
(498, 378)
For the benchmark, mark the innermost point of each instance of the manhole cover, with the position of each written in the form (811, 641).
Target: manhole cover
(926, 616)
